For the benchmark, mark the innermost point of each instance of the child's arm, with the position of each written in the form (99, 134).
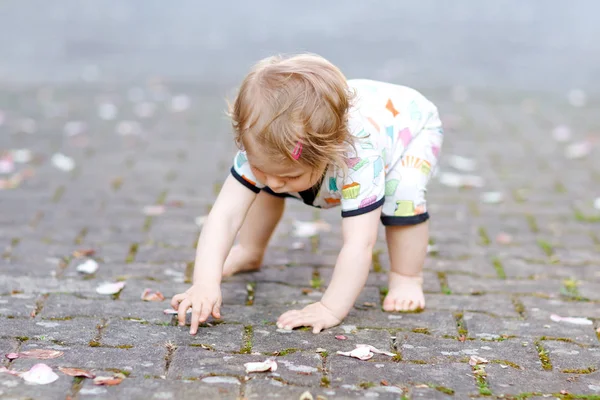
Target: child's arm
(217, 236)
(349, 276)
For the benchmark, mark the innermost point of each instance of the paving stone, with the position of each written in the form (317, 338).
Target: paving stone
(511, 381)
(19, 305)
(437, 322)
(490, 303)
(485, 327)
(469, 284)
(570, 356)
(272, 389)
(138, 361)
(77, 331)
(143, 389)
(420, 347)
(222, 337)
(269, 340)
(12, 387)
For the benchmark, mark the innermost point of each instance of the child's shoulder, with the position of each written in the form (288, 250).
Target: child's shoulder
(368, 88)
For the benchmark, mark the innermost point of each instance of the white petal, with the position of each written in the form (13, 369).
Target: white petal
(107, 111)
(462, 163)
(310, 228)
(170, 311)
(492, 197)
(110, 288)
(578, 150)
(88, 267)
(180, 103)
(475, 360)
(375, 350)
(40, 374)
(362, 353)
(562, 133)
(267, 365)
(63, 162)
(597, 203)
(154, 210)
(200, 220)
(22, 156)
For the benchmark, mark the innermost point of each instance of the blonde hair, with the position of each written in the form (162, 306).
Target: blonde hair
(302, 99)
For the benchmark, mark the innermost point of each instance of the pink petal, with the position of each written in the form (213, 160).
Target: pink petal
(150, 295)
(12, 356)
(341, 337)
(76, 372)
(40, 374)
(40, 354)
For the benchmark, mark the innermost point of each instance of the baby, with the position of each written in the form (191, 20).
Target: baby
(304, 131)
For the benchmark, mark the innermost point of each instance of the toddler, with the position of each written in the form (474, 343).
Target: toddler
(304, 131)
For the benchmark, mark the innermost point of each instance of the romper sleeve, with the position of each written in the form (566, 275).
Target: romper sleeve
(243, 173)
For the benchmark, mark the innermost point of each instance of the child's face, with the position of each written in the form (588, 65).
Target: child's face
(283, 178)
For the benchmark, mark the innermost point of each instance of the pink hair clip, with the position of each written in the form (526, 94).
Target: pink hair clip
(297, 152)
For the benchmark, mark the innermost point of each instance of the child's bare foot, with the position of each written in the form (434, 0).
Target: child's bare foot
(405, 293)
(241, 259)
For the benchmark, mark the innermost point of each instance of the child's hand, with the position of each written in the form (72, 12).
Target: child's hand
(204, 299)
(316, 315)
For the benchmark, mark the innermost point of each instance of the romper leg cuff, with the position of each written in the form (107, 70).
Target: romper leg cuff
(404, 221)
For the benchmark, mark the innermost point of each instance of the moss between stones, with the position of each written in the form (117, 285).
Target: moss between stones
(587, 370)
(366, 385)
(325, 382)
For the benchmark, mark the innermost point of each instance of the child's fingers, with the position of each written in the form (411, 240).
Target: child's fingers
(176, 300)
(181, 311)
(205, 312)
(216, 311)
(196, 311)
(317, 328)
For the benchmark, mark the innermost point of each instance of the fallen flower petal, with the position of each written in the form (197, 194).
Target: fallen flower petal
(200, 220)
(264, 366)
(476, 360)
(40, 374)
(492, 197)
(561, 133)
(375, 350)
(170, 311)
(88, 267)
(341, 337)
(110, 288)
(310, 228)
(77, 372)
(10, 372)
(108, 380)
(462, 163)
(454, 180)
(306, 396)
(12, 356)
(150, 295)
(41, 354)
(362, 353)
(22, 156)
(578, 150)
(154, 210)
(504, 238)
(63, 162)
(571, 320)
(83, 253)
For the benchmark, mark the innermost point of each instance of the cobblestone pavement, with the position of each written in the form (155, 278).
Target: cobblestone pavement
(497, 272)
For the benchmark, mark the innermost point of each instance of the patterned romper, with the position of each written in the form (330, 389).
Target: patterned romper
(398, 139)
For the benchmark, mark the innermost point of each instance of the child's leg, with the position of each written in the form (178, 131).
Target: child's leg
(254, 235)
(407, 247)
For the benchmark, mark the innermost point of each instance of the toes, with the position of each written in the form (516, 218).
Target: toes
(389, 303)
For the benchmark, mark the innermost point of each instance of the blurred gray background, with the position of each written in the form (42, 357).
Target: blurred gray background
(528, 45)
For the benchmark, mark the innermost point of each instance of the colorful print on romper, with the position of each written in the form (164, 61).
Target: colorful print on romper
(356, 163)
(413, 110)
(413, 162)
(377, 167)
(391, 186)
(426, 168)
(241, 160)
(333, 201)
(390, 107)
(389, 130)
(333, 184)
(372, 121)
(368, 201)
(420, 209)
(405, 136)
(351, 190)
(404, 208)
